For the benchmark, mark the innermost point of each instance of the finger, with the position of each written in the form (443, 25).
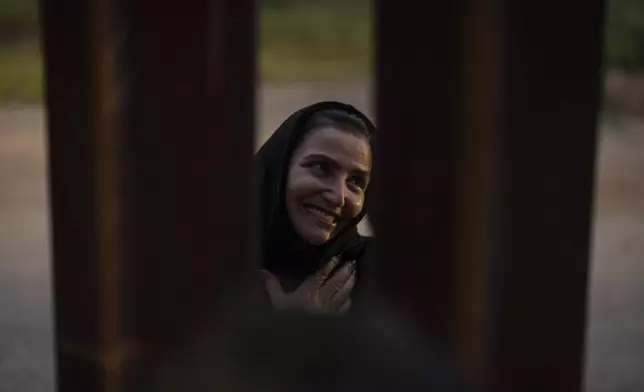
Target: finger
(341, 296)
(323, 273)
(345, 307)
(338, 280)
(272, 285)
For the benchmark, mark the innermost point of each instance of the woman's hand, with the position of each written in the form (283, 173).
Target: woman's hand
(319, 293)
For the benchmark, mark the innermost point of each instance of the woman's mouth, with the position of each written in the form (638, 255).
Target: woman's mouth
(322, 215)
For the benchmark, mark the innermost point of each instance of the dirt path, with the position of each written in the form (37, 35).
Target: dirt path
(616, 334)
(615, 358)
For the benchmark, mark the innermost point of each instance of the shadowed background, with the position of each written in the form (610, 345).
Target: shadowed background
(311, 51)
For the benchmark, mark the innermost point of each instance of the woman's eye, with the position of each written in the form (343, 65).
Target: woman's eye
(320, 167)
(357, 182)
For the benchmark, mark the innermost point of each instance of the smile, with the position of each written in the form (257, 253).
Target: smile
(321, 214)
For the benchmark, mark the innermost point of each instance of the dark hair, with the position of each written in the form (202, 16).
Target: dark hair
(338, 119)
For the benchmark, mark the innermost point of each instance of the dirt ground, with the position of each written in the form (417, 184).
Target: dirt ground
(616, 328)
(615, 357)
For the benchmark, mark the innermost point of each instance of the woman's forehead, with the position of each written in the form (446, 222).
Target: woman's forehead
(338, 145)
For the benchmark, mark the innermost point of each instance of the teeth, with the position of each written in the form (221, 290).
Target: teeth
(321, 214)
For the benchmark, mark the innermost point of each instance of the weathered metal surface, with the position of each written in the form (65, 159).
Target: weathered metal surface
(549, 102)
(82, 120)
(483, 219)
(151, 115)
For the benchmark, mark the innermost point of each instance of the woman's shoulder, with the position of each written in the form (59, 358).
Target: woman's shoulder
(358, 249)
(366, 244)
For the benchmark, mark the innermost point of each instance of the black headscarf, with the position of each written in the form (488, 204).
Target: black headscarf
(277, 233)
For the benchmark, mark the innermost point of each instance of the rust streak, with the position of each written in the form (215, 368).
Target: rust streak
(475, 187)
(104, 126)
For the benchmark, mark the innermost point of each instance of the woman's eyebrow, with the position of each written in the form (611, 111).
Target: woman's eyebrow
(360, 170)
(321, 157)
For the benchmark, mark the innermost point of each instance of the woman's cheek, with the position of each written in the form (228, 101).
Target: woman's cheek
(354, 206)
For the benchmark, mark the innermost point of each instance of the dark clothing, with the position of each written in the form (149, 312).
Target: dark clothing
(280, 256)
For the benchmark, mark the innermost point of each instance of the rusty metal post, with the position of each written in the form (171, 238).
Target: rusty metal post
(549, 102)
(83, 116)
(437, 84)
(188, 148)
(417, 106)
(148, 103)
(483, 218)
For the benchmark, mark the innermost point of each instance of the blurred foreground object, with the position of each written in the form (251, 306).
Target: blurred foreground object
(148, 123)
(301, 352)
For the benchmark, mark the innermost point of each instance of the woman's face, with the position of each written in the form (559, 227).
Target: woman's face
(327, 179)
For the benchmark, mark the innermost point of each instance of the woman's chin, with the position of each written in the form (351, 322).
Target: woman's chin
(316, 237)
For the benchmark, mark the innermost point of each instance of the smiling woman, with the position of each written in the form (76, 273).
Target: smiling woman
(314, 173)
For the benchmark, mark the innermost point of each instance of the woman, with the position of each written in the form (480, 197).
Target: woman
(314, 173)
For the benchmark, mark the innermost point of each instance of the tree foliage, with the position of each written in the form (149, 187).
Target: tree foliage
(625, 34)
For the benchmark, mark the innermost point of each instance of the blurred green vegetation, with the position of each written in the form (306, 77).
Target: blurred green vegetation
(18, 18)
(625, 35)
(313, 40)
(299, 40)
(21, 77)
(20, 60)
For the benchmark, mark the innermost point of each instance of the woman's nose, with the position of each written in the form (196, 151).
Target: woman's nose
(335, 194)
